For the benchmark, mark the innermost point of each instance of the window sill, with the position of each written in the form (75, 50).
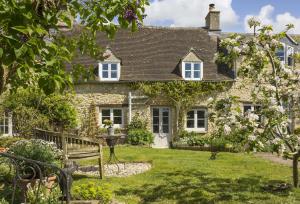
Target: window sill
(196, 130)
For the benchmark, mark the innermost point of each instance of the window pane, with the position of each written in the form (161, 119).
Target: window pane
(156, 120)
(165, 128)
(197, 67)
(188, 66)
(190, 115)
(197, 74)
(106, 112)
(105, 67)
(280, 54)
(113, 67)
(201, 124)
(188, 74)
(114, 74)
(201, 114)
(6, 130)
(105, 74)
(118, 120)
(247, 108)
(165, 120)
(1, 130)
(117, 112)
(190, 124)
(155, 112)
(105, 118)
(156, 128)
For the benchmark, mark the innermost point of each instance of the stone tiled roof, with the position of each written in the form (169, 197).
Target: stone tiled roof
(155, 53)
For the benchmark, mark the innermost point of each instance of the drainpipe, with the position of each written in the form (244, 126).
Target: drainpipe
(129, 106)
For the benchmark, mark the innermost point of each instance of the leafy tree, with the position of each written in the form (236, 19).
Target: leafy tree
(32, 108)
(34, 48)
(275, 87)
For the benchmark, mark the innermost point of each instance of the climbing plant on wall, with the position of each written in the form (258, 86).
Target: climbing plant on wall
(181, 94)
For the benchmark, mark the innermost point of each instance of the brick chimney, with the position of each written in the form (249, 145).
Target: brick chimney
(213, 19)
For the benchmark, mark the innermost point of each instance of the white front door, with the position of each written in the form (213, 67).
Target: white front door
(161, 127)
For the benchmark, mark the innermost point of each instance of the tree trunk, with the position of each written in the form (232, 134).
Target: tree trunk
(295, 170)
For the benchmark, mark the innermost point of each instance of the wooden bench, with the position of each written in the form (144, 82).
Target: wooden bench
(73, 146)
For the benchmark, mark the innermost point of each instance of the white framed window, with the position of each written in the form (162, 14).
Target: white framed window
(290, 56)
(109, 71)
(196, 120)
(6, 124)
(114, 114)
(192, 70)
(280, 53)
(253, 109)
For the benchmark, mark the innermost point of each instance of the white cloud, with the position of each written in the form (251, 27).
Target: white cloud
(189, 13)
(267, 17)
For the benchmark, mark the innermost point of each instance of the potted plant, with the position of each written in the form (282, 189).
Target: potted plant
(38, 150)
(109, 124)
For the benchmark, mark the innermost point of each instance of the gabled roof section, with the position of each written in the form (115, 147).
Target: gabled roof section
(191, 56)
(109, 56)
(292, 39)
(155, 53)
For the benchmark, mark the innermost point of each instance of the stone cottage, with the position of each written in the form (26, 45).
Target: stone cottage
(157, 54)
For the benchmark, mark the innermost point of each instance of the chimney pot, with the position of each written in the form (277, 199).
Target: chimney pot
(212, 7)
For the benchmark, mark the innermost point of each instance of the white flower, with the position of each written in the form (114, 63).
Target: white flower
(227, 129)
(252, 137)
(210, 100)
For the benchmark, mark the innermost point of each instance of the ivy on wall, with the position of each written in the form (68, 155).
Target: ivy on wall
(181, 94)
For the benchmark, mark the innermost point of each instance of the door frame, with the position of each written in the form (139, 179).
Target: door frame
(169, 135)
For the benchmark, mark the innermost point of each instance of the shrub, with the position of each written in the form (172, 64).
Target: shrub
(137, 123)
(38, 150)
(297, 131)
(3, 201)
(93, 191)
(8, 141)
(25, 119)
(45, 196)
(192, 138)
(140, 137)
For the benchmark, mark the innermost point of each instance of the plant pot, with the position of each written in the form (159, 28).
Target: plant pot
(3, 149)
(24, 185)
(110, 131)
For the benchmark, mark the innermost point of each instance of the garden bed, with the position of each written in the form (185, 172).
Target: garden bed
(203, 148)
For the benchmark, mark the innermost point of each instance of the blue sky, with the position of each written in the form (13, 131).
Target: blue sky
(234, 13)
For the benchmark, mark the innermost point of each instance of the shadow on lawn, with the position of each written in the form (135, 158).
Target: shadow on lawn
(197, 187)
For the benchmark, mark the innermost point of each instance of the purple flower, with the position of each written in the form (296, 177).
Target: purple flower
(130, 15)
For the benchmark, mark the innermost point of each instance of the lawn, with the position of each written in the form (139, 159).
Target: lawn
(180, 176)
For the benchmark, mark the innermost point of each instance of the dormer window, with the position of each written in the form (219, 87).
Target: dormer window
(192, 66)
(110, 68)
(109, 71)
(285, 54)
(192, 70)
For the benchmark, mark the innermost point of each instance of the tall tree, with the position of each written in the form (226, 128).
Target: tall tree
(275, 88)
(34, 50)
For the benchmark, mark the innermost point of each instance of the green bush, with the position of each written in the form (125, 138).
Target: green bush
(192, 138)
(8, 141)
(92, 191)
(137, 123)
(297, 131)
(3, 201)
(38, 150)
(140, 137)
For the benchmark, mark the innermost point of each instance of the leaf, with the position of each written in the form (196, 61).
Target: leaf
(21, 51)
(1, 52)
(23, 29)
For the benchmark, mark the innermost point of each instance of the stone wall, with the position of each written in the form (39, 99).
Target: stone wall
(116, 95)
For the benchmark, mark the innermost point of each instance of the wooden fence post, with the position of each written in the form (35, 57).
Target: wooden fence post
(64, 147)
(100, 160)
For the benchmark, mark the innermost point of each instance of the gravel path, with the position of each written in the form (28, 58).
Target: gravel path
(119, 170)
(274, 158)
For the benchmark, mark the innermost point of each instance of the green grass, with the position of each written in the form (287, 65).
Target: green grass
(180, 176)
